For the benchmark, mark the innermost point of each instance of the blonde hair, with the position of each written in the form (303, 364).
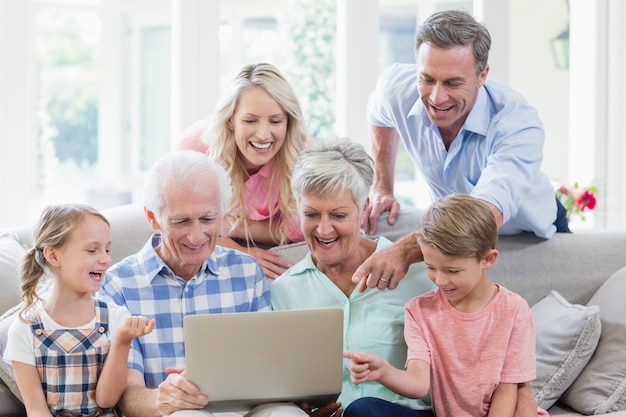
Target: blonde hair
(54, 228)
(459, 225)
(223, 149)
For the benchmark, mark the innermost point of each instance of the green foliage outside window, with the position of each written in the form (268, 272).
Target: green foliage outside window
(311, 28)
(68, 100)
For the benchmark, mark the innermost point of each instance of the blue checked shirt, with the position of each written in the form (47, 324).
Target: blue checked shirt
(229, 281)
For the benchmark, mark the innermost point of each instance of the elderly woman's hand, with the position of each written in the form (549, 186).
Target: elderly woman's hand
(385, 269)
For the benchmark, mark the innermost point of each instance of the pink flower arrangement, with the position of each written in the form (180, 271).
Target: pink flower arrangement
(576, 200)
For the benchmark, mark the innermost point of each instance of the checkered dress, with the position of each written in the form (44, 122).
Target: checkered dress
(69, 362)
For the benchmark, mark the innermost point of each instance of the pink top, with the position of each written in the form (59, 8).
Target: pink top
(258, 194)
(191, 137)
(471, 353)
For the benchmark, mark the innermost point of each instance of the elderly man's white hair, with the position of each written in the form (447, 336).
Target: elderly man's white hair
(183, 167)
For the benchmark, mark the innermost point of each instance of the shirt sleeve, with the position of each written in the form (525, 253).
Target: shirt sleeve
(515, 141)
(379, 106)
(19, 346)
(519, 365)
(413, 333)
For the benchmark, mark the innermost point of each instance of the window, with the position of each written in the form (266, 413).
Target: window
(296, 36)
(87, 86)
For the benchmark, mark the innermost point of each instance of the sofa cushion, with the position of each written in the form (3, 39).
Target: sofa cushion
(11, 253)
(567, 335)
(601, 387)
(6, 371)
(10, 406)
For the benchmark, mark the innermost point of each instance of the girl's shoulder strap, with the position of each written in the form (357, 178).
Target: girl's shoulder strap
(102, 315)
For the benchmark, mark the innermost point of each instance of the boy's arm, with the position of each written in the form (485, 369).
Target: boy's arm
(29, 384)
(111, 382)
(412, 383)
(503, 401)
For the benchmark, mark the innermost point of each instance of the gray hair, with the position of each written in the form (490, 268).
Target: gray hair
(183, 167)
(456, 28)
(334, 164)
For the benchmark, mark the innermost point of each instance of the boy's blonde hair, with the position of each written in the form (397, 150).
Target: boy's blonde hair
(54, 228)
(459, 225)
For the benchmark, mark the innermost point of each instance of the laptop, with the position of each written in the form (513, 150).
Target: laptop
(241, 360)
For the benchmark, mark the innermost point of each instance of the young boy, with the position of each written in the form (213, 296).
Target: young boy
(470, 341)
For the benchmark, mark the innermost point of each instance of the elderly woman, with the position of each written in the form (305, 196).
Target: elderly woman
(331, 182)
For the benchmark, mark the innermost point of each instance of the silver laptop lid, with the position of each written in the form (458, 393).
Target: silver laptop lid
(241, 360)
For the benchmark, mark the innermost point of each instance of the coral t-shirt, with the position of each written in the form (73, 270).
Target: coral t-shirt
(471, 353)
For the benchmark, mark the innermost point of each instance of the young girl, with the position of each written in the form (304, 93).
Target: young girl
(256, 133)
(471, 342)
(69, 352)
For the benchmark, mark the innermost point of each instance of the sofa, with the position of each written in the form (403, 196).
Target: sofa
(574, 283)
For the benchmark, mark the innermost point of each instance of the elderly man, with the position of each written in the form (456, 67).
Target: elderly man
(181, 271)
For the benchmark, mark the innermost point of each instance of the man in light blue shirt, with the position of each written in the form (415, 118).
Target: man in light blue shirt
(465, 134)
(495, 156)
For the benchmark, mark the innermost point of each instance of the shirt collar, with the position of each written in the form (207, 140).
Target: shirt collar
(266, 170)
(149, 257)
(307, 263)
(478, 119)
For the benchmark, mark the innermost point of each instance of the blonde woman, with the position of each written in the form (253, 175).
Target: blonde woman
(256, 133)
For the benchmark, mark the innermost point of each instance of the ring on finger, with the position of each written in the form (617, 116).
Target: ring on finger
(384, 280)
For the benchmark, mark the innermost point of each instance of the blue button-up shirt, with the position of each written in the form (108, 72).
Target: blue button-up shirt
(496, 156)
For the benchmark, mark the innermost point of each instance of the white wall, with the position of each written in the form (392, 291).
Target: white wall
(17, 158)
(533, 72)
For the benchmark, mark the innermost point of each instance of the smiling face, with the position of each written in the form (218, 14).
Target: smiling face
(259, 125)
(331, 228)
(189, 223)
(81, 262)
(463, 281)
(448, 85)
